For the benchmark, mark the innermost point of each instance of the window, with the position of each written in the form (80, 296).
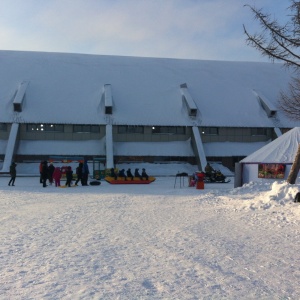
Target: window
(258, 131)
(86, 128)
(210, 130)
(3, 127)
(45, 127)
(130, 129)
(168, 130)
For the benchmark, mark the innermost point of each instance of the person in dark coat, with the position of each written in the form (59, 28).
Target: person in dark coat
(209, 170)
(129, 174)
(51, 169)
(85, 173)
(122, 174)
(69, 176)
(137, 174)
(79, 174)
(144, 174)
(113, 173)
(44, 173)
(13, 174)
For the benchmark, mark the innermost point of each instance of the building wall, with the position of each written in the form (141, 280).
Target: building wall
(208, 135)
(4, 131)
(66, 134)
(149, 136)
(232, 134)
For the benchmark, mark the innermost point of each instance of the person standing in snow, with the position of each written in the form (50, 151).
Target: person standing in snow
(57, 176)
(51, 170)
(79, 173)
(85, 173)
(44, 173)
(13, 174)
(69, 176)
(40, 169)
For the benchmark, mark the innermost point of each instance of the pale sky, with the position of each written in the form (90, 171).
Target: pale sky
(188, 29)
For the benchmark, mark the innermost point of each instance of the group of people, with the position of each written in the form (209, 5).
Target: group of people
(54, 174)
(129, 174)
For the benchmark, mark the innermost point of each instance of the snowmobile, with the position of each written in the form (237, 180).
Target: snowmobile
(215, 177)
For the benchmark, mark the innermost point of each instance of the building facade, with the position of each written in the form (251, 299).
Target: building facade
(137, 109)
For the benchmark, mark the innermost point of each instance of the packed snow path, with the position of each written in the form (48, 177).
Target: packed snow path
(148, 242)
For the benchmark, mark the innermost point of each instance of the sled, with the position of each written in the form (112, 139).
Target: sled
(95, 182)
(211, 181)
(64, 186)
(121, 180)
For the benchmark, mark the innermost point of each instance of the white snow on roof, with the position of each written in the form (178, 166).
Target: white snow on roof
(281, 150)
(68, 89)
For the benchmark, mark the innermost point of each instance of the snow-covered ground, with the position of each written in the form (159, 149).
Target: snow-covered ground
(151, 241)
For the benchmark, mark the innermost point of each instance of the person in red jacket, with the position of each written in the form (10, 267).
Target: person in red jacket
(57, 176)
(41, 169)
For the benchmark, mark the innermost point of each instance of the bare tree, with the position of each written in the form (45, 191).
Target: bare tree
(282, 43)
(289, 102)
(278, 42)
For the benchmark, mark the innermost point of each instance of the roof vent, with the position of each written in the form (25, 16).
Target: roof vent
(269, 108)
(188, 100)
(20, 95)
(108, 99)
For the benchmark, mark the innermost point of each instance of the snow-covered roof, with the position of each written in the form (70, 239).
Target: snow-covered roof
(68, 89)
(281, 150)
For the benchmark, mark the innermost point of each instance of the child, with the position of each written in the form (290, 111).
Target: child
(57, 176)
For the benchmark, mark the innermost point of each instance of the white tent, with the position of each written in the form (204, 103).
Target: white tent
(280, 151)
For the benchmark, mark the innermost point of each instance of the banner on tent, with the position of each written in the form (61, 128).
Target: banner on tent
(271, 171)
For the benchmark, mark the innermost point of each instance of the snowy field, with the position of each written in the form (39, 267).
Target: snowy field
(149, 241)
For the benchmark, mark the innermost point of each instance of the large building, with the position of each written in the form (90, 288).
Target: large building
(137, 109)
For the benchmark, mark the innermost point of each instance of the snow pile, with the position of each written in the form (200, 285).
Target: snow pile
(283, 192)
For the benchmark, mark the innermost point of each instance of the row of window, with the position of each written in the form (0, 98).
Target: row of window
(154, 129)
(215, 131)
(122, 129)
(96, 128)
(60, 128)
